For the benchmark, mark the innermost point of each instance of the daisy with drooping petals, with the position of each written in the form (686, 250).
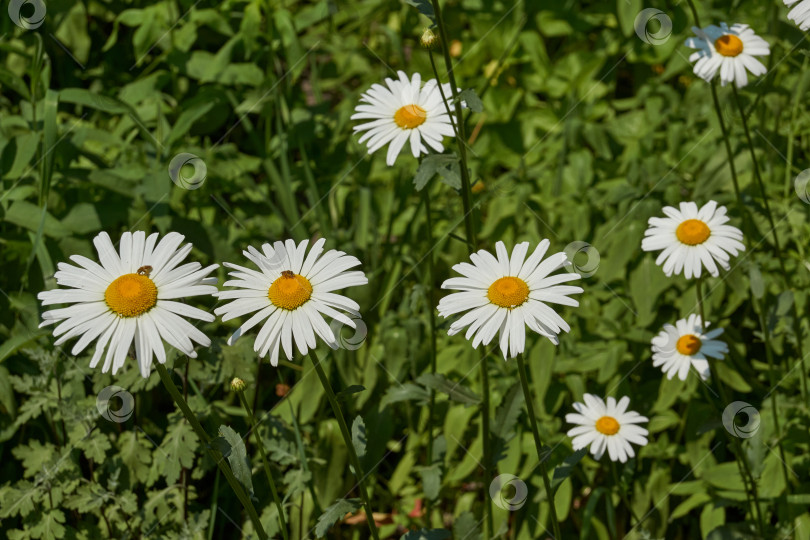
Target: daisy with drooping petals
(610, 427)
(691, 238)
(131, 297)
(686, 344)
(404, 112)
(728, 50)
(800, 14)
(291, 292)
(506, 294)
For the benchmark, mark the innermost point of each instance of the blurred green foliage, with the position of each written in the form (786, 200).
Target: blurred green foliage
(586, 131)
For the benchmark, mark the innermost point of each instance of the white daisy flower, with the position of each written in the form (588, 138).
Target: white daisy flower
(290, 293)
(728, 50)
(132, 296)
(404, 111)
(692, 238)
(800, 14)
(686, 344)
(506, 294)
(608, 426)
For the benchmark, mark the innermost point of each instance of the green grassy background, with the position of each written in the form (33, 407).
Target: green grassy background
(586, 132)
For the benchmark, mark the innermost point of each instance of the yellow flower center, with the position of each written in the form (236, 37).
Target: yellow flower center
(688, 345)
(410, 116)
(290, 291)
(607, 425)
(693, 232)
(508, 292)
(728, 45)
(131, 295)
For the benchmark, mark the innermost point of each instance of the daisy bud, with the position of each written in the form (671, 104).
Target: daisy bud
(429, 39)
(237, 384)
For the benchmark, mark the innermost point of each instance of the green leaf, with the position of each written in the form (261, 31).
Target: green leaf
(349, 391)
(424, 7)
(187, 119)
(48, 141)
(507, 414)
(405, 392)
(179, 446)
(466, 526)
(135, 453)
(50, 525)
(471, 99)
(14, 343)
(333, 514)
(234, 449)
(446, 165)
(359, 436)
(431, 480)
(564, 469)
(455, 391)
(757, 283)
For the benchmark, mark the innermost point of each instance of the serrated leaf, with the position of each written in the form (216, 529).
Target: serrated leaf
(135, 453)
(234, 449)
(455, 391)
(446, 165)
(178, 447)
(359, 436)
(282, 451)
(49, 525)
(471, 100)
(333, 514)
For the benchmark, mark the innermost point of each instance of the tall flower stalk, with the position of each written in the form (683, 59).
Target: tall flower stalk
(471, 240)
(213, 454)
(758, 307)
(239, 387)
(347, 439)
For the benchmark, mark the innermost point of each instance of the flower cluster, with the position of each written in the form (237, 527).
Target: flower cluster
(134, 296)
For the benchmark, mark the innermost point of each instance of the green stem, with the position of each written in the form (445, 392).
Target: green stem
(796, 321)
(760, 308)
(758, 178)
(432, 315)
(347, 439)
(471, 240)
(461, 137)
(623, 492)
(485, 440)
(213, 454)
(742, 464)
(255, 428)
(524, 383)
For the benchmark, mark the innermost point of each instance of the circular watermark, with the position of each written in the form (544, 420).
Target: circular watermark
(508, 492)
(733, 425)
(800, 184)
(32, 20)
(178, 171)
(105, 403)
(583, 258)
(642, 26)
(356, 340)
